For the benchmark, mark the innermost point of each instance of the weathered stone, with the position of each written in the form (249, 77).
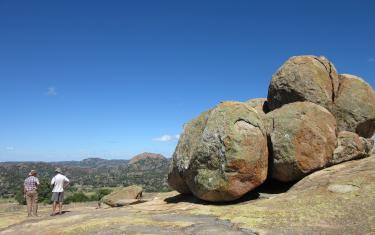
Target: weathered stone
(304, 78)
(260, 105)
(350, 147)
(223, 153)
(342, 188)
(354, 106)
(184, 152)
(176, 181)
(124, 196)
(303, 140)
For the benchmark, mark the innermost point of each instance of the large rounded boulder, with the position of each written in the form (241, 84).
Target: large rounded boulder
(304, 78)
(222, 154)
(303, 139)
(354, 106)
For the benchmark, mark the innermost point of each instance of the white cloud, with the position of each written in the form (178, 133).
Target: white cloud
(167, 138)
(371, 60)
(51, 91)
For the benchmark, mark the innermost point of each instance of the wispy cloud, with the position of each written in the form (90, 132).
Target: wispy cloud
(371, 60)
(167, 138)
(113, 142)
(51, 91)
(9, 148)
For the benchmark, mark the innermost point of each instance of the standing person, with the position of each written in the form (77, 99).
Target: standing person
(59, 182)
(30, 191)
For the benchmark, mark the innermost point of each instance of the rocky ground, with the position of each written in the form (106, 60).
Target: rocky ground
(336, 200)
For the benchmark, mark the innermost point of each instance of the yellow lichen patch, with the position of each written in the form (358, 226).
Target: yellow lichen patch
(317, 207)
(90, 225)
(61, 220)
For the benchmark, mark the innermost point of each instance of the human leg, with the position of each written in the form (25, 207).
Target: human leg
(61, 199)
(60, 207)
(35, 203)
(28, 203)
(54, 200)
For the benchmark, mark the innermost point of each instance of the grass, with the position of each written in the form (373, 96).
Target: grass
(7, 200)
(7, 219)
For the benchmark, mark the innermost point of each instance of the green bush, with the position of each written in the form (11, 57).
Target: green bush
(20, 198)
(77, 197)
(44, 191)
(81, 197)
(102, 192)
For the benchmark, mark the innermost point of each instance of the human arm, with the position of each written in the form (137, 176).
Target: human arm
(37, 183)
(53, 181)
(24, 188)
(66, 182)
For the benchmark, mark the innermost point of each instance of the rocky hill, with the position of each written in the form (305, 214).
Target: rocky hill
(147, 169)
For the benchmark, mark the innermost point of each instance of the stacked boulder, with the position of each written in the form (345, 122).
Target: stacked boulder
(222, 154)
(312, 118)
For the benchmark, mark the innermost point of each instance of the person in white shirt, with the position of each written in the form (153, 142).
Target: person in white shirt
(59, 182)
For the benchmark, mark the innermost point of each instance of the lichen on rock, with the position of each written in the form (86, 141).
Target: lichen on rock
(223, 153)
(304, 78)
(354, 107)
(303, 140)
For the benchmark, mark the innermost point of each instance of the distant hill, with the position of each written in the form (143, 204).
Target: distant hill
(146, 169)
(144, 156)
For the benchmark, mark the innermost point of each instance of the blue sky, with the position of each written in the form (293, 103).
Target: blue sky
(112, 79)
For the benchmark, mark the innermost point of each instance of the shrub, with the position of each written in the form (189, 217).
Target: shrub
(20, 198)
(77, 197)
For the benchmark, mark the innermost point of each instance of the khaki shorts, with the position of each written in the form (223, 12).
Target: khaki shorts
(57, 197)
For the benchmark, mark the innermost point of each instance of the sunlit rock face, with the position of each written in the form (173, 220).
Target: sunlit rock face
(223, 153)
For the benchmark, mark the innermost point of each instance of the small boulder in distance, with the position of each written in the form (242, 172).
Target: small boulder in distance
(124, 196)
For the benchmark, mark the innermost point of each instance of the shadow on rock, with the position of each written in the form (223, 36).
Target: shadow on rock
(192, 199)
(271, 186)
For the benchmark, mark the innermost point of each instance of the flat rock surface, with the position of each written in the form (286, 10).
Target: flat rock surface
(336, 200)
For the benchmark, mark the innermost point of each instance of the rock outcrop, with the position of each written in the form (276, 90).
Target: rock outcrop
(125, 196)
(304, 78)
(350, 147)
(222, 154)
(303, 140)
(354, 106)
